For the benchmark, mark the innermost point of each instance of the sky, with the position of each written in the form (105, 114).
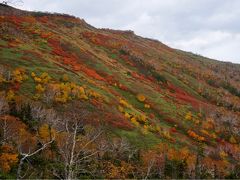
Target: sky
(207, 27)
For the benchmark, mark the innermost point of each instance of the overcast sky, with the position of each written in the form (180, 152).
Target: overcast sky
(207, 27)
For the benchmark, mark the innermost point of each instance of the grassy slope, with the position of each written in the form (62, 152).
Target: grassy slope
(26, 44)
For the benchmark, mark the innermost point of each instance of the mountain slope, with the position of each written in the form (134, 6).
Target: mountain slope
(136, 88)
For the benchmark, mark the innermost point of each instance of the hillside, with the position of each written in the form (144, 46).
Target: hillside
(104, 103)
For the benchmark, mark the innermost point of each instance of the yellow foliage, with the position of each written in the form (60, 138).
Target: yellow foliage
(73, 86)
(147, 106)
(167, 135)
(65, 78)
(134, 121)
(142, 119)
(154, 129)
(65, 87)
(81, 90)
(10, 95)
(37, 79)
(64, 92)
(127, 115)
(18, 75)
(120, 108)
(33, 74)
(83, 96)
(158, 128)
(212, 135)
(223, 155)
(46, 132)
(141, 97)
(37, 97)
(93, 94)
(40, 88)
(45, 77)
(124, 103)
(188, 116)
(2, 79)
(144, 130)
(62, 99)
(232, 140)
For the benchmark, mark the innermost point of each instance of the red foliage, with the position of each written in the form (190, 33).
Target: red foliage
(92, 73)
(72, 60)
(126, 59)
(122, 87)
(118, 121)
(45, 35)
(16, 86)
(138, 76)
(96, 103)
(18, 20)
(57, 49)
(170, 120)
(150, 78)
(15, 20)
(110, 79)
(219, 140)
(12, 44)
(152, 116)
(185, 97)
(103, 40)
(29, 19)
(173, 130)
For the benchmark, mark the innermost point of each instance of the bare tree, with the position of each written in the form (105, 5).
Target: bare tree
(28, 146)
(25, 155)
(49, 95)
(8, 129)
(76, 144)
(4, 108)
(121, 149)
(45, 115)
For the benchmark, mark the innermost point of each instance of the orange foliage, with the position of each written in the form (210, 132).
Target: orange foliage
(208, 124)
(18, 20)
(141, 97)
(118, 172)
(103, 40)
(7, 158)
(222, 166)
(92, 73)
(46, 35)
(72, 60)
(57, 49)
(195, 136)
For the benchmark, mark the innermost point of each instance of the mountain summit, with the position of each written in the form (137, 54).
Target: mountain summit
(82, 102)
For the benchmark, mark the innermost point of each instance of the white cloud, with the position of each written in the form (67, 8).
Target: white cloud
(207, 27)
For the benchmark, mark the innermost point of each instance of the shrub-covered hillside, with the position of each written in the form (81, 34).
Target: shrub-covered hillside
(81, 102)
